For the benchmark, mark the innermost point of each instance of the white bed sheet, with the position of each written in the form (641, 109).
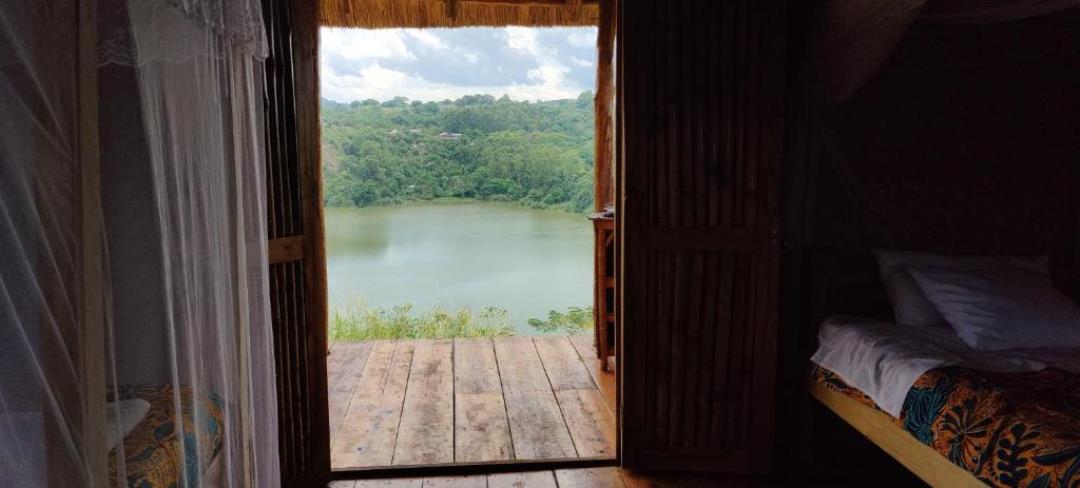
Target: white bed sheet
(884, 359)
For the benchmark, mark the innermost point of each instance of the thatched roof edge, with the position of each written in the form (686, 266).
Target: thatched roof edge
(374, 14)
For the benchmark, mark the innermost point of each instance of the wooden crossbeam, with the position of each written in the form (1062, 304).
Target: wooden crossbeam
(525, 3)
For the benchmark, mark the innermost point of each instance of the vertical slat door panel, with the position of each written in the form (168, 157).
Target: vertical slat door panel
(294, 228)
(702, 88)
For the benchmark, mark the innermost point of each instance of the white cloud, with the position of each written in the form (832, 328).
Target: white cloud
(357, 44)
(522, 39)
(359, 64)
(382, 84)
(427, 38)
(582, 38)
(584, 63)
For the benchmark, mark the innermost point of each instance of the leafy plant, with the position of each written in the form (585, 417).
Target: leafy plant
(575, 321)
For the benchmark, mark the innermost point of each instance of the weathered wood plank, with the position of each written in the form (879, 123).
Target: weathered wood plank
(604, 105)
(370, 429)
(286, 249)
(564, 368)
(391, 483)
(344, 367)
(456, 482)
(482, 432)
(302, 25)
(534, 479)
(589, 478)
(426, 435)
(475, 368)
(537, 426)
(591, 424)
(604, 379)
(520, 368)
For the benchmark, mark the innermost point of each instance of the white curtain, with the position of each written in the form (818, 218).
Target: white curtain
(188, 365)
(859, 35)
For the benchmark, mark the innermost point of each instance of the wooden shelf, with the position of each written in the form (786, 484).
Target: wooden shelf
(604, 287)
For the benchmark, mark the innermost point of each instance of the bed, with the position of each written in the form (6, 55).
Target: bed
(1008, 419)
(154, 455)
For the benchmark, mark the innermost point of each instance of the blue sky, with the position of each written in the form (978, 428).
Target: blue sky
(436, 64)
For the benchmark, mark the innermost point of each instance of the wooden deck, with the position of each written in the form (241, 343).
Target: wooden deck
(566, 478)
(468, 400)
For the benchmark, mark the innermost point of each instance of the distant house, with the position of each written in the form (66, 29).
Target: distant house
(449, 136)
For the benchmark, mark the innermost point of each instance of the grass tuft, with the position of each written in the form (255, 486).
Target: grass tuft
(358, 322)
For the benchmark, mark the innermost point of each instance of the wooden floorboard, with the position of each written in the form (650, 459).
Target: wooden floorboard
(534, 479)
(589, 478)
(482, 432)
(537, 426)
(520, 368)
(369, 432)
(604, 379)
(591, 424)
(467, 400)
(394, 483)
(456, 482)
(342, 365)
(564, 368)
(566, 478)
(475, 369)
(426, 435)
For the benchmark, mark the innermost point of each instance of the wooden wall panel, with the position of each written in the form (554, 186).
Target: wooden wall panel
(294, 365)
(702, 131)
(295, 234)
(287, 314)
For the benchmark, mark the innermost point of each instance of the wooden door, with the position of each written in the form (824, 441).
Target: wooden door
(296, 248)
(701, 90)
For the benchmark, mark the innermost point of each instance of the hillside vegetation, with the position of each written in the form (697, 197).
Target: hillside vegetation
(539, 154)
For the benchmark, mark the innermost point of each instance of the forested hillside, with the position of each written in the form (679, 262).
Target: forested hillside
(539, 154)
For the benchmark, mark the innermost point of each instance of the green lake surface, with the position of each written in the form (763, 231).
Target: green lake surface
(455, 254)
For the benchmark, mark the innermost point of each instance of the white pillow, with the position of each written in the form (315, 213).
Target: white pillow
(910, 306)
(121, 418)
(997, 308)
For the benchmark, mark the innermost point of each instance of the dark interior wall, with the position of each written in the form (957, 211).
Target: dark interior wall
(959, 145)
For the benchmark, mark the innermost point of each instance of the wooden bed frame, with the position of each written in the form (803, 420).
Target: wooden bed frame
(881, 429)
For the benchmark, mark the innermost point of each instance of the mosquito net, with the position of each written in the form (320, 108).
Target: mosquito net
(135, 342)
(859, 35)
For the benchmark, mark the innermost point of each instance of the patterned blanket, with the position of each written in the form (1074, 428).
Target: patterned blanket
(154, 453)
(1008, 429)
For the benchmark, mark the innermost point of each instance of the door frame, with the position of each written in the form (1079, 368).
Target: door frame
(305, 24)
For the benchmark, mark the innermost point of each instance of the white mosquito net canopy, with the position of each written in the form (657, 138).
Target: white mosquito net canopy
(135, 342)
(857, 36)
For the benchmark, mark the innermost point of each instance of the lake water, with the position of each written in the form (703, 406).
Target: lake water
(473, 254)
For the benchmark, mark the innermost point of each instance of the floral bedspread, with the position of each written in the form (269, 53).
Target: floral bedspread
(155, 455)
(1008, 429)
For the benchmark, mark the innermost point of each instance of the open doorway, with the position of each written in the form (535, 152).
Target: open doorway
(465, 281)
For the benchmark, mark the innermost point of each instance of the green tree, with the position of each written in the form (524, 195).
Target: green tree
(538, 154)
